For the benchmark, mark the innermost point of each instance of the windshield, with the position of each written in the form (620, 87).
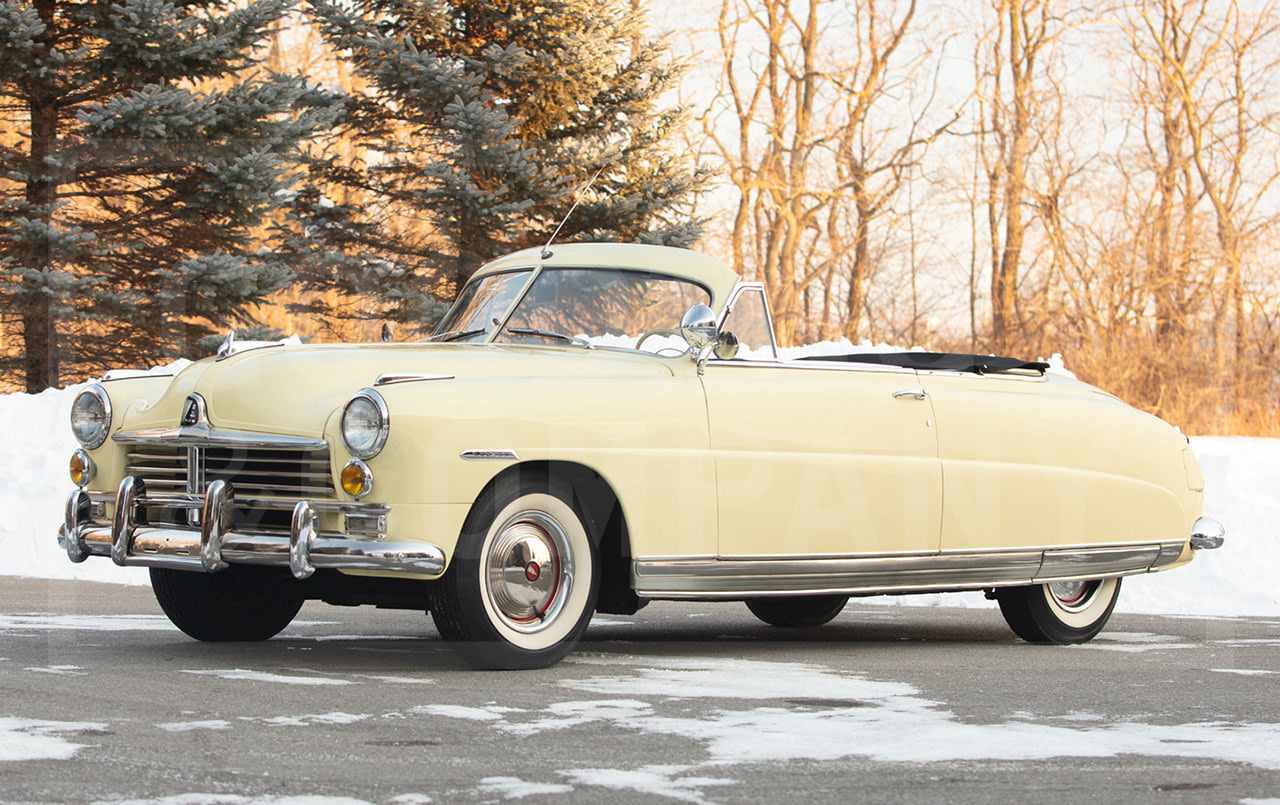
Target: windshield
(573, 306)
(480, 307)
(605, 306)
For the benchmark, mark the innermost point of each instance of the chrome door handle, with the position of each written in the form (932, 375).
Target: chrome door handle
(910, 394)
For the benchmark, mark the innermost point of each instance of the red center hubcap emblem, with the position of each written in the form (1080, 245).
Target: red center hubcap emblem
(532, 571)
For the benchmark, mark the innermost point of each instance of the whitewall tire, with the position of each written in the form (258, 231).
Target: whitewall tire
(1059, 612)
(523, 581)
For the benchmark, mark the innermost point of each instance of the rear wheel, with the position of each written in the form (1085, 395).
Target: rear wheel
(240, 603)
(1061, 611)
(798, 610)
(523, 581)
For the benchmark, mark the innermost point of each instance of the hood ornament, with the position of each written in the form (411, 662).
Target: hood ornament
(228, 344)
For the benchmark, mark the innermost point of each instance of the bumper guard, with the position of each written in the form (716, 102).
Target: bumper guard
(131, 541)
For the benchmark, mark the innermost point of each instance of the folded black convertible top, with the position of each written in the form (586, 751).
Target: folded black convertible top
(944, 361)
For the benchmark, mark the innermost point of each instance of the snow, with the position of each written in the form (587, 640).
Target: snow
(241, 675)
(192, 726)
(232, 799)
(32, 739)
(515, 788)
(1242, 491)
(810, 712)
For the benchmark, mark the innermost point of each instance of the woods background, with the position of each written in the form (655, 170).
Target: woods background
(1009, 176)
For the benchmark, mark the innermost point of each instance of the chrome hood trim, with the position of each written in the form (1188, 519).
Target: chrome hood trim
(388, 378)
(202, 435)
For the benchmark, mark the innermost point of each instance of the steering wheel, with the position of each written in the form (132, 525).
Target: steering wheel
(657, 331)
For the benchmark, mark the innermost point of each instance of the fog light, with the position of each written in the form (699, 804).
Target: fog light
(82, 468)
(357, 479)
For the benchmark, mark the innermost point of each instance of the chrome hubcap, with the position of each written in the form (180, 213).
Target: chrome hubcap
(1073, 596)
(529, 570)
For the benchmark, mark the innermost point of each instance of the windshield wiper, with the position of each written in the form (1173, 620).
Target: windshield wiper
(455, 335)
(572, 339)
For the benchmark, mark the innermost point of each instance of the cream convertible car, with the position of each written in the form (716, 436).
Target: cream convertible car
(604, 425)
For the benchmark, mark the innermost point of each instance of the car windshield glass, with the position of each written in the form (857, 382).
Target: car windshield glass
(606, 306)
(480, 307)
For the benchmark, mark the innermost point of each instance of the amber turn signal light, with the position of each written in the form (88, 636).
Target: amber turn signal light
(357, 479)
(81, 468)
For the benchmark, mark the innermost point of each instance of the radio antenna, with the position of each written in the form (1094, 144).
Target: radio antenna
(546, 250)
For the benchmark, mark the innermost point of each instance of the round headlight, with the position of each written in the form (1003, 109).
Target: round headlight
(91, 416)
(365, 422)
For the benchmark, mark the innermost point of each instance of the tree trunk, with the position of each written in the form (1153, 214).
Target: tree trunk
(39, 326)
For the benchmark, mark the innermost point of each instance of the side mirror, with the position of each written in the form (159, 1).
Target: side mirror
(726, 347)
(388, 335)
(698, 327)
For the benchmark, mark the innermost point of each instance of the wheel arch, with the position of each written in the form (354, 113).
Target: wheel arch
(595, 497)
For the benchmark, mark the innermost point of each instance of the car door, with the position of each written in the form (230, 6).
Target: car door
(820, 459)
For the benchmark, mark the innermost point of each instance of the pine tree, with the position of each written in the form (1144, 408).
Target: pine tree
(144, 148)
(481, 123)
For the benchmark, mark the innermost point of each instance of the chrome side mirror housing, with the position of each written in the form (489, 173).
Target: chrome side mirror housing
(726, 348)
(700, 331)
(698, 327)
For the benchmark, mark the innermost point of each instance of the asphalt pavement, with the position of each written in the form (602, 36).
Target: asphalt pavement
(102, 700)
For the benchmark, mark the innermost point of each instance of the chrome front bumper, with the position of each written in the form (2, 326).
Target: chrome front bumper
(211, 545)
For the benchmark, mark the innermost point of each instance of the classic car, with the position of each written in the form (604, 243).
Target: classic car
(595, 426)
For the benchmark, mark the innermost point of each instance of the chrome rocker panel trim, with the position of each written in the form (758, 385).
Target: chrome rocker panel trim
(213, 545)
(710, 577)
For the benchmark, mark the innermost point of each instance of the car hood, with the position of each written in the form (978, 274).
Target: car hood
(294, 389)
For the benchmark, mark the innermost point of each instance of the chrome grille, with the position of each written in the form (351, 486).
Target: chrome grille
(251, 472)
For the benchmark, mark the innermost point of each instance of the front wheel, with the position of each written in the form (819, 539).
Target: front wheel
(798, 610)
(522, 585)
(1060, 611)
(241, 603)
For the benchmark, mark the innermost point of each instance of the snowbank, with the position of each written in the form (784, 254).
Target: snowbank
(1243, 492)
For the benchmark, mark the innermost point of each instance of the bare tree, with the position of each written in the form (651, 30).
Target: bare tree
(1211, 65)
(814, 156)
(1016, 88)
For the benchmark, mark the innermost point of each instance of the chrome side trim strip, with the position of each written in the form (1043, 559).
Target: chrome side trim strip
(132, 374)
(389, 378)
(720, 578)
(202, 435)
(659, 577)
(489, 455)
(1094, 563)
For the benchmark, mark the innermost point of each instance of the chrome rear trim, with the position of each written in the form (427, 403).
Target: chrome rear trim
(1207, 534)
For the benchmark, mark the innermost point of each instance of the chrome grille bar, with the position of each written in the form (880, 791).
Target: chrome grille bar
(257, 471)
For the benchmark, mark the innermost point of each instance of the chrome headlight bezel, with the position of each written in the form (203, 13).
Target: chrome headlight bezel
(91, 416)
(369, 404)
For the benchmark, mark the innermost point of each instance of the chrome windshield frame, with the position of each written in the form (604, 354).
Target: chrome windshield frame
(538, 270)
